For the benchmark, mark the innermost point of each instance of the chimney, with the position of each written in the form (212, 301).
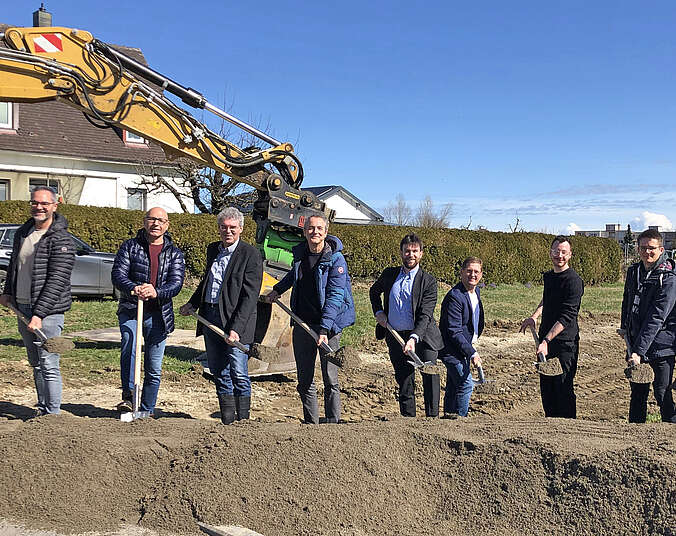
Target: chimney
(42, 17)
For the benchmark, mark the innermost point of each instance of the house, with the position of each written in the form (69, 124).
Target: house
(617, 233)
(53, 144)
(349, 208)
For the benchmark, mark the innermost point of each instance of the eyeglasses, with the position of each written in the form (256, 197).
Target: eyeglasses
(158, 220)
(648, 248)
(41, 203)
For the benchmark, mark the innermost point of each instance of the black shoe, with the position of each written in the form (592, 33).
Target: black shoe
(125, 406)
(227, 405)
(243, 407)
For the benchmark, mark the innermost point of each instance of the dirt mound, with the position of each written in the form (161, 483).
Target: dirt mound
(418, 477)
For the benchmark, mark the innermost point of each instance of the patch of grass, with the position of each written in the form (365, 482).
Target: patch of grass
(653, 417)
(504, 302)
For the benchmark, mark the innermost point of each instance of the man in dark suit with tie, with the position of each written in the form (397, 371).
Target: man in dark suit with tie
(461, 323)
(410, 296)
(227, 296)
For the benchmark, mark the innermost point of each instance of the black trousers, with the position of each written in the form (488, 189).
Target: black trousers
(638, 403)
(558, 395)
(405, 376)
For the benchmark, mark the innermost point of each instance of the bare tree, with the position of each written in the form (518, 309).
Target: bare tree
(208, 189)
(517, 227)
(398, 211)
(468, 226)
(428, 215)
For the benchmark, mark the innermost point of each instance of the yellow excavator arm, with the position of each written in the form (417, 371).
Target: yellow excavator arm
(112, 88)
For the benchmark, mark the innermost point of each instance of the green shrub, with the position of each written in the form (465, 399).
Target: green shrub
(507, 257)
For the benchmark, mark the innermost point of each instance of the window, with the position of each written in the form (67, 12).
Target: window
(8, 238)
(52, 183)
(136, 199)
(4, 190)
(6, 115)
(130, 137)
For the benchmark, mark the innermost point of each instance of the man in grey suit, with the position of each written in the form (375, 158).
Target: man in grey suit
(227, 296)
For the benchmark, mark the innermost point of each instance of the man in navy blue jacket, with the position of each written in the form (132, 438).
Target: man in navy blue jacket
(649, 319)
(321, 296)
(151, 267)
(461, 324)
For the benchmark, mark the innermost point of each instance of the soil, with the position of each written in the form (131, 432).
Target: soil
(504, 470)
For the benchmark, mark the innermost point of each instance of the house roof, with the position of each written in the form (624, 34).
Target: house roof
(324, 192)
(55, 128)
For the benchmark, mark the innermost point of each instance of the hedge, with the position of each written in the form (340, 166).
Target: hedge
(508, 257)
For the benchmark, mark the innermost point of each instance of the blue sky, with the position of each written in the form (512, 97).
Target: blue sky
(561, 114)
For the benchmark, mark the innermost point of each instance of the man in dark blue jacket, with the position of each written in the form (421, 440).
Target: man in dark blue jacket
(649, 319)
(152, 268)
(321, 296)
(38, 285)
(461, 324)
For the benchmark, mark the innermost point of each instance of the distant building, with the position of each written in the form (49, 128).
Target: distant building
(349, 208)
(617, 233)
(52, 144)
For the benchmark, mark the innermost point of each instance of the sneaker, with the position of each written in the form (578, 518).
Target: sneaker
(124, 406)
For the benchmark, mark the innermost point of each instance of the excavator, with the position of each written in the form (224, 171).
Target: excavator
(113, 89)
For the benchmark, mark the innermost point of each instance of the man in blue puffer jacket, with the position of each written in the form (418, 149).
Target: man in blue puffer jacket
(151, 267)
(321, 296)
(649, 319)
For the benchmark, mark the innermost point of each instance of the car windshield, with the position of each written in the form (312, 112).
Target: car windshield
(8, 238)
(81, 245)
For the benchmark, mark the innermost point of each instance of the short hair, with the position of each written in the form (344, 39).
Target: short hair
(317, 215)
(230, 213)
(45, 189)
(411, 238)
(561, 239)
(472, 260)
(650, 234)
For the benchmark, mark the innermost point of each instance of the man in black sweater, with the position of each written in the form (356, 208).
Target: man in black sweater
(559, 333)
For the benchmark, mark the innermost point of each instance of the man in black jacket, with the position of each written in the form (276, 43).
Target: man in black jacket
(410, 296)
(649, 320)
(559, 333)
(227, 297)
(150, 267)
(38, 285)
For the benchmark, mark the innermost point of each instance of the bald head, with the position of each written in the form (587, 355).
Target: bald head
(156, 223)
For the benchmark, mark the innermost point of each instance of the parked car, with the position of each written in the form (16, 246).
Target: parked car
(91, 273)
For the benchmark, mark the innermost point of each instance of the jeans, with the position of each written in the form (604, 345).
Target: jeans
(229, 365)
(154, 339)
(638, 403)
(459, 387)
(46, 371)
(305, 351)
(557, 392)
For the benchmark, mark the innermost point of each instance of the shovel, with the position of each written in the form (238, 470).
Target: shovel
(136, 413)
(337, 357)
(641, 373)
(546, 367)
(482, 384)
(428, 367)
(54, 345)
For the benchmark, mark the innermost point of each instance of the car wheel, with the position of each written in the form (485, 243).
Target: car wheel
(3, 276)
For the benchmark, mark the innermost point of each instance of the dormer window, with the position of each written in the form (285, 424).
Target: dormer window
(133, 139)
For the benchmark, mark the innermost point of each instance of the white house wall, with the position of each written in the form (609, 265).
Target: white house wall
(344, 210)
(105, 183)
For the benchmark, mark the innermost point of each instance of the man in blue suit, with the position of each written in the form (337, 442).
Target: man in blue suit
(461, 323)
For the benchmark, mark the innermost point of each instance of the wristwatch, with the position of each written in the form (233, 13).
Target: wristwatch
(546, 339)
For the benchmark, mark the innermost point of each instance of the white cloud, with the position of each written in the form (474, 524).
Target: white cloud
(572, 227)
(650, 218)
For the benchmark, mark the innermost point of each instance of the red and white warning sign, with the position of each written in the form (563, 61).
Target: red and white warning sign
(48, 43)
